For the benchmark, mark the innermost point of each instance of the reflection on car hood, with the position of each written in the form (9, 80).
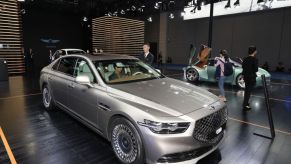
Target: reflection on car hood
(169, 96)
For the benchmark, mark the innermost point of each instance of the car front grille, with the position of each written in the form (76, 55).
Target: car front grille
(205, 128)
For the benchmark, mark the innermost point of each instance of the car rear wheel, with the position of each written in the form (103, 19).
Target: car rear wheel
(126, 142)
(240, 81)
(47, 98)
(192, 74)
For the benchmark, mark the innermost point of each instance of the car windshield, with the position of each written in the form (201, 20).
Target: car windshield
(75, 52)
(125, 71)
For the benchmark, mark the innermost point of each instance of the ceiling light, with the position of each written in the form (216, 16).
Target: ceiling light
(150, 19)
(227, 5)
(236, 3)
(157, 6)
(159, 2)
(140, 9)
(143, 6)
(183, 13)
(85, 19)
(133, 8)
(109, 14)
(20, 0)
(171, 16)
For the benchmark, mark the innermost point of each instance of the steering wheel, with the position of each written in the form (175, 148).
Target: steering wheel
(136, 73)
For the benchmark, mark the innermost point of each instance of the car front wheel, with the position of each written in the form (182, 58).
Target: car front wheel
(47, 98)
(240, 81)
(192, 74)
(126, 142)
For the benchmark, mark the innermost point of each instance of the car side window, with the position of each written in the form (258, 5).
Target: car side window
(67, 66)
(83, 68)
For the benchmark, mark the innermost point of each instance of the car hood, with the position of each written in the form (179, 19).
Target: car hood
(169, 96)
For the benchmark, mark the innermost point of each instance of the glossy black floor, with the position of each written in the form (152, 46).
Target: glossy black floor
(38, 136)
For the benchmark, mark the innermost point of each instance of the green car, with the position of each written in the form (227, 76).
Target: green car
(207, 73)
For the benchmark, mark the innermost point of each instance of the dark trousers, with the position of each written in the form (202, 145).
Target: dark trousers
(248, 90)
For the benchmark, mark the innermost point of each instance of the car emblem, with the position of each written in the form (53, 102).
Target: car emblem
(212, 108)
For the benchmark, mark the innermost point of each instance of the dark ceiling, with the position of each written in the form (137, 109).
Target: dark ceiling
(96, 8)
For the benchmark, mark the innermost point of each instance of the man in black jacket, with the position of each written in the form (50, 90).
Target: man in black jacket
(146, 56)
(250, 67)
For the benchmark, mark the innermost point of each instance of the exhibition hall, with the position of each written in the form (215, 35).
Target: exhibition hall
(145, 81)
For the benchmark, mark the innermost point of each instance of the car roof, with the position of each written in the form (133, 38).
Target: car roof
(106, 56)
(71, 49)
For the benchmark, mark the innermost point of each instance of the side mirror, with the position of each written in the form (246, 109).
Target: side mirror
(158, 70)
(84, 80)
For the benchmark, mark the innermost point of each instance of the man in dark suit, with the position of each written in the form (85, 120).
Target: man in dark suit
(146, 56)
(250, 67)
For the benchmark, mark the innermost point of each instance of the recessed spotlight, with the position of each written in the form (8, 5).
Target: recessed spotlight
(85, 19)
(150, 19)
(140, 9)
(171, 16)
(133, 8)
(157, 5)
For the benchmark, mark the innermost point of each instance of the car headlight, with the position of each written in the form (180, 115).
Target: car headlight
(165, 128)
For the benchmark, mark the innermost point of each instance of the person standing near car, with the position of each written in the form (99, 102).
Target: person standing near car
(146, 56)
(250, 67)
(220, 72)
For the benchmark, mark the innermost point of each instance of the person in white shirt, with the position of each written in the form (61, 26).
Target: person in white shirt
(223, 57)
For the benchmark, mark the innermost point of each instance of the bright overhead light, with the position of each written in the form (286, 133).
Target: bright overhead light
(171, 16)
(183, 13)
(20, 0)
(143, 6)
(133, 8)
(150, 19)
(140, 9)
(85, 19)
(157, 5)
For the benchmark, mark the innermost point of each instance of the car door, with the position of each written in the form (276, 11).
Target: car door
(83, 100)
(58, 81)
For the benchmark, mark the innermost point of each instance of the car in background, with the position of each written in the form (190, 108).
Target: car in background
(193, 73)
(147, 117)
(67, 51)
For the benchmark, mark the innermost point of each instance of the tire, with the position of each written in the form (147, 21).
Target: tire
(192, 75)
(240, 81)
(47, 99)
(126, 142)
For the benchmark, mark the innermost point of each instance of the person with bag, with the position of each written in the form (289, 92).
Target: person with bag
(223, 69)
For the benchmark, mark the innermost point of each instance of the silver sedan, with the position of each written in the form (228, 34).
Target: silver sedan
(147, 117)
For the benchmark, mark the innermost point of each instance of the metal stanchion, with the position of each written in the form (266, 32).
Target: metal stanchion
(269, 112)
